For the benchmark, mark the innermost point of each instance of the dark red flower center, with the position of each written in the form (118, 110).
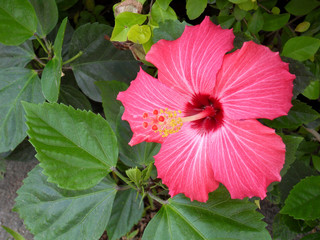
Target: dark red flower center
(211, 110)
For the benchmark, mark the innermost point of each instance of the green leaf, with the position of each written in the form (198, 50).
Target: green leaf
(316, 162)
(72, 96)
(297, 171)
(280, 230)
(303, 200)
(226, 21)
(218, 218)
(195, 8)
(123, 22)
(255, 24)
(239, 14)
(300, 8)
(126, 211)
(139, 34)
(302, 27)
(301, 48)
(164, 4)
(158, 14)
(313, 90)
(54, 213)
(248, 5)
(292, 143)
(111, 106)
(16, 56)
(134, 175)
(76, 148)
(169, 30)
(275, 10)
(274, 22)
(51, 75)
(47, 14)
(237, 1)
(65, 4)
(140, 154)
(16, 85)
(303, 75)
(111, 63)
(13, 233)
(300, 113)
(18, 21)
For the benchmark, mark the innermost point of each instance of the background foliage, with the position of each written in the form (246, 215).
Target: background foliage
(62, 64)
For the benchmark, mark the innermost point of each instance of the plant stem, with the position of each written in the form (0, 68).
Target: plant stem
(41, 43)
(39, 61)
(159, 200)
(73, 58)
(123, 178)
(313, 132)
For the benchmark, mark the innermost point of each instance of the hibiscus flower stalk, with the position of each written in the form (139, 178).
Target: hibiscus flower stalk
(203, 109)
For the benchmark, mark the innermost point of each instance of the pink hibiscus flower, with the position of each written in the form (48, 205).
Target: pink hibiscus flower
(203, 109)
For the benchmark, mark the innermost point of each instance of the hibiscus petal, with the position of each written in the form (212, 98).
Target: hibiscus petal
(246, 157)
(254, 83)
(144, 95)
(183, 164)
(190, 63)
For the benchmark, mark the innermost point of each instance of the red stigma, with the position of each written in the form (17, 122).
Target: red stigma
(145, 115)
(145, 124)
(154, 127)
(161, 119)
(155, 112)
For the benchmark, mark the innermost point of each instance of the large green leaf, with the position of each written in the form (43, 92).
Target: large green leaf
(126, 211)
(54, 213)
(16, 56)
(255, 24)
(72, 96)
(169, 30)
(47, 13)
(195, 8)
(218, 218)
(301, 48)
(300, 8)
(300, 113)
(16, 84)
(18, 21)
(303, 200)
(140, 154)
(76, 148)
(100, 60)
(274, 22)
(51, 76)
(111, 106)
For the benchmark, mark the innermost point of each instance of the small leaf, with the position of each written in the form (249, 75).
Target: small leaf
(226, 21)
(300, 113)
(301, 48)
(123, 22)
(303, 200)
(255, 24)
(112, 63)
(72, 96)
(218, 218)
(313, 90)
(280, 230)
(47, 14)
(300, 8)
(316, 162)
(275, 10)
(16, 56)
(195, 8)
(54, 213)
(302, 27)
(164, 4)
(140, 154)
(274, 22)
(64, 5)
(292, 143)
(239, 14)
(16, 85)
(159, 15)
(76, 148)
(169, 30)
(134, 175)
(139, 34)
(13, 233)
(18, 21)
(51, 75)
(248, 5)
(126, 211)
